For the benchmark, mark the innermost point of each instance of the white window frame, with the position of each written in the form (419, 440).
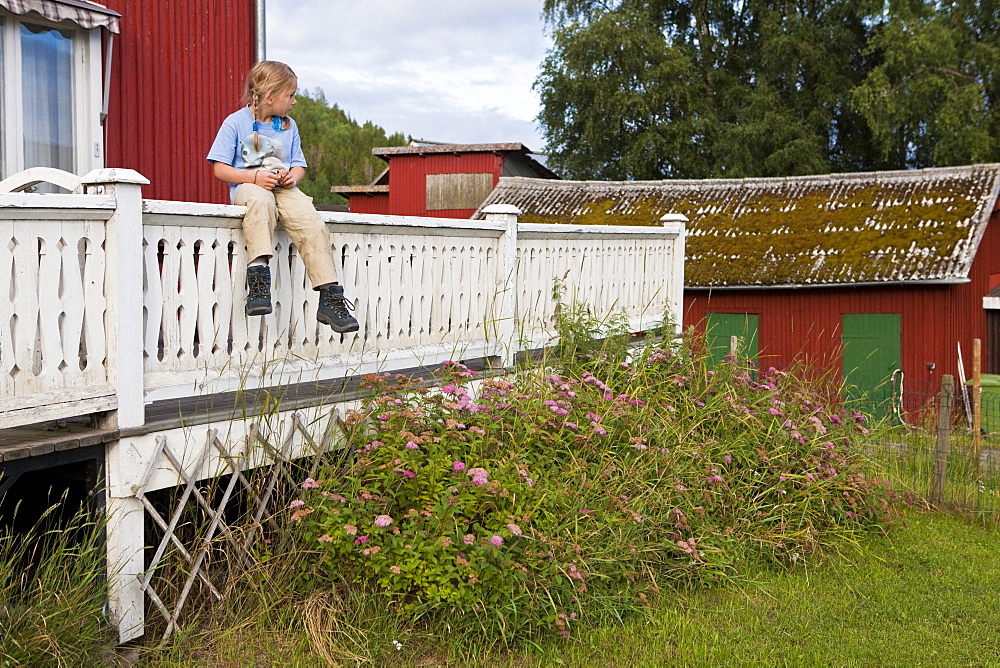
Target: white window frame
(88, 135)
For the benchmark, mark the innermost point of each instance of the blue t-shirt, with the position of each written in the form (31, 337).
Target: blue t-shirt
(234, 144)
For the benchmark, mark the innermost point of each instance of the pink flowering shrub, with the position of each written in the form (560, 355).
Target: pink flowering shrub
(586, 487)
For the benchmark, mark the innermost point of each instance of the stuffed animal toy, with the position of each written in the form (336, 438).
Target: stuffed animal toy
(264, 156)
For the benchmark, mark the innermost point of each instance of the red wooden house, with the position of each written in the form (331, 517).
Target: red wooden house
(142, 84)
(443, 180)
(862, 273)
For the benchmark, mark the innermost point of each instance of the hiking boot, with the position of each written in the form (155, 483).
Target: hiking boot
(334, 309)
(258, 290)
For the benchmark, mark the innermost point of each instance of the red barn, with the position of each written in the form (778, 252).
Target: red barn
(442, 180)
(142, 84)
(862, 273)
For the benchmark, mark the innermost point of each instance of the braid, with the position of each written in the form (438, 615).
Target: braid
(254, 108)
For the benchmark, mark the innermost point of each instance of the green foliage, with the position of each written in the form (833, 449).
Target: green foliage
(921, 596)
(648, 89)
(585, 488)
(932, 98)
(338, 149)
(52, 594)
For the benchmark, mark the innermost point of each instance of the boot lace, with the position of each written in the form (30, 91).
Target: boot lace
(340, 305)
(258, 285)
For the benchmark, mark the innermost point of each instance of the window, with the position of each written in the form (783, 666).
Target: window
(52, 93)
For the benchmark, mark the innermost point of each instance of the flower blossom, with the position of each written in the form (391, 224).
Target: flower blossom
(309, 483)
(296, 503)
(479, 476)
(383, 521)
(458, 466)
(496, 540)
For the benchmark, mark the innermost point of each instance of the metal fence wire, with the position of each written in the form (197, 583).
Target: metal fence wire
(929, 445)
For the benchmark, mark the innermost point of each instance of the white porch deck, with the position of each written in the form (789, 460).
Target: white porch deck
(118, 306)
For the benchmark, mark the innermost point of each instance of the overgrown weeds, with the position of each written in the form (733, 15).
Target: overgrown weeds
(53, 593)
(577, 492)
(483, 514)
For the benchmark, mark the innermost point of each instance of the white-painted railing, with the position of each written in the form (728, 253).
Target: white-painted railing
(107, 299)
(57, 350)
(109, 302)
(423, 293)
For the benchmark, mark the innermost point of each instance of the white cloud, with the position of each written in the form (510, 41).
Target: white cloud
(444, 70)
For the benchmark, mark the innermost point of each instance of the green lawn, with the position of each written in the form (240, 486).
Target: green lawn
(926, 595)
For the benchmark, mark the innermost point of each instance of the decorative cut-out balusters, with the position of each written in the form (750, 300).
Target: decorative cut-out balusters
(52, 329)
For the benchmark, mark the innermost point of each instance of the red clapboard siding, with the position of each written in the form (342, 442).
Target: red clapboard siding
(804, 324)
(408, 180)
(177, 72)
(371, 204)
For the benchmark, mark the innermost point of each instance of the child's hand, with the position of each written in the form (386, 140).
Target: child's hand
(265, 179)
(286, 180)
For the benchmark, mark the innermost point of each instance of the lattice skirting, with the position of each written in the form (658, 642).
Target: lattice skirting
(202, 528)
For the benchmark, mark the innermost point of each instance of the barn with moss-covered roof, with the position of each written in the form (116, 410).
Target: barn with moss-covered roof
(867, 273)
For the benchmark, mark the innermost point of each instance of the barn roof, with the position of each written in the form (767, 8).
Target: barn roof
(425, 148)
(511, 150)
(880, 227)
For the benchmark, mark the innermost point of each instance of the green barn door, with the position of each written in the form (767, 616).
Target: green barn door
(721, 327)
(871, 349)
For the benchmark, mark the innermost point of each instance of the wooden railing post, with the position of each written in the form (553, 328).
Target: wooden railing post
(123, 288)
(123, 285)
(943, 446)
(503, 318)
(676, 221)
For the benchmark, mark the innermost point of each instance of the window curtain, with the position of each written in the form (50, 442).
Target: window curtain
(47, 96)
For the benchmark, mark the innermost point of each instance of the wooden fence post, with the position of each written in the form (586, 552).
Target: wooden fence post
(943, 438)
(977, 405)
(503, 317)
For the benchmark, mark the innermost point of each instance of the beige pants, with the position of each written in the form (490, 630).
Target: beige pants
(299, 218)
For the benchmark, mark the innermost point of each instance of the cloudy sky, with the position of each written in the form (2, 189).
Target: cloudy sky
(456, 71)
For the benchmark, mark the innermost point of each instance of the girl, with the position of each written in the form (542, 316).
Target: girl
(258, 152)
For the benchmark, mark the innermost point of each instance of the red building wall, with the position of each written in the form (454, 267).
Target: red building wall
(408, 180)
(805, 324)
(177, 72)
(378, 203)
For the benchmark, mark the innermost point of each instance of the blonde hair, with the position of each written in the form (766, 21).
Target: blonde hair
(268, 77)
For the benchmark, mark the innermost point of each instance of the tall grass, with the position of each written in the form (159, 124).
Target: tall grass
(917, 597)
(582, 491)
(53, 593)
(971, 485)
(586, 487)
